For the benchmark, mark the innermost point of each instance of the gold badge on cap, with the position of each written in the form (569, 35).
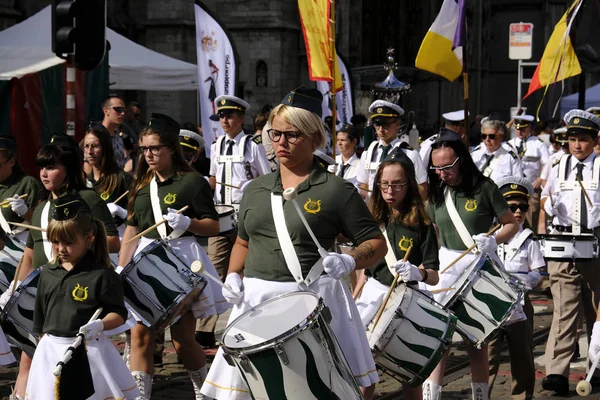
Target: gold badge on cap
(576, 121)
(379, 110)
(223, 102)
(289, 99)
(513, 186)
(186, 138)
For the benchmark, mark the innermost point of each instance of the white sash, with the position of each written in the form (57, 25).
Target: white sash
(371, 165)
(44, 225)
(462, 230)
(507, 252)
(390, 257)
(162, 229)
(227, 162)
(4, 224)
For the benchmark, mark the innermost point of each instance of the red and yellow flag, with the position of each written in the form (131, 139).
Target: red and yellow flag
(315, 19)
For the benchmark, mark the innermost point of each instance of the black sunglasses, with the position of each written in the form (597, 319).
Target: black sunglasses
(521, 206)
(119, 109)
(492, 136)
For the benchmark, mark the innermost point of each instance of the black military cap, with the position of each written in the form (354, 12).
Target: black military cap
(69, 206)
(447, 135)
(65, 141)
(227, 104)
(191, 140)
(7, 141)
(515, 186)
(523, 121)
(307, 99)
(582, 122)
(561, 135)
(381, 110)
(164, 123)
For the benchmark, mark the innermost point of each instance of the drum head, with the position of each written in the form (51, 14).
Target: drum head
(270, 319)
(224, 210)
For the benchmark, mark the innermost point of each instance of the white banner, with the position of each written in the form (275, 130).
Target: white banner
(343, 98)
(216, 70)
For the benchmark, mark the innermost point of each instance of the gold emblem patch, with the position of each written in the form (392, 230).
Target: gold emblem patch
(576, 121)
(186, 138)
(379, 110)
(170, 198)
(514, 186)
(223, 102)
(471, 205)
(289, 99)
(80, 293)
(405, 243)
(104, 195)
(312, 206)
(66, 212)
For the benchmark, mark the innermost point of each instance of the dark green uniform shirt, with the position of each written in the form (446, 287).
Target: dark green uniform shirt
(477, 213)
(330, 204)
(124, 181)
(175, 192)
(99, 211)
(66, 300)
(19, 184)
(401, 237)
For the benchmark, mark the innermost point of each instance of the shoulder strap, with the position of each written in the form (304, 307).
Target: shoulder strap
(44, 224)
(243, 146)
(370, 154)
(390, 257)
(156, 211)
(462, 230)
(516, 244)
(596, 170)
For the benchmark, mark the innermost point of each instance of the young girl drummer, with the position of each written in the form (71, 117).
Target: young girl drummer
(398, 207)
(71, 288)
(165, 183)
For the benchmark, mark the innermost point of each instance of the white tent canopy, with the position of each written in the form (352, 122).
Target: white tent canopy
(27, 48)
(570, 102)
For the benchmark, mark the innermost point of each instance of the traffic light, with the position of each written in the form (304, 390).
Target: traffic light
(63, 27)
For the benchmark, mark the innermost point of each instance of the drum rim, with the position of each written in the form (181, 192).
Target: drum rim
(17, 292)
(230, 210)
(281, 338)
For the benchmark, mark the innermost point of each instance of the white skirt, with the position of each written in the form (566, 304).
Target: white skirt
(112, 379)
(6, 355)
(226, 383)
(370, 300)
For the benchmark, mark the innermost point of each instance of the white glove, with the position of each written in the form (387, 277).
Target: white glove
(333, 168)
(408, 272)
(8, 293)
(177, 221)
(551, 209)
(595, 212)
(119, 269)
(18, 205)
(486, 244)
(338, 265)
(235, 294)
(93, 329)
(117, 211)
(594, 349)
(534, 278)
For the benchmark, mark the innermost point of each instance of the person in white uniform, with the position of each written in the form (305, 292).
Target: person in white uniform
(346, 161)
(562, 140)
(385, 117)
(491, 157)
(453, 121)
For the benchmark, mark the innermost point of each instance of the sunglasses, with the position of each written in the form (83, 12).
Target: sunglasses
(384, 125)
(445, 168)
(491, 136)
(119, 110)
(521, 206)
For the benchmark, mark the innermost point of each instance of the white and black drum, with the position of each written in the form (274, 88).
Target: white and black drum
(227, 220)
(9, 259)
(159, 287)
(17, 316)
(284, 349)
(411, 336)
(569, 247)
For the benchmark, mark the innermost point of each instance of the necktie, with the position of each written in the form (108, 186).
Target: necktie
(521, 149)
(488, 160)
(384, 153)
(343, 170)
(229, 152)
(583, 208)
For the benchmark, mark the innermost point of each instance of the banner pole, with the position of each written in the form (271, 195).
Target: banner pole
(333, 82)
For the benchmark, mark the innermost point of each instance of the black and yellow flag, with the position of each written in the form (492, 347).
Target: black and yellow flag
(75, 381)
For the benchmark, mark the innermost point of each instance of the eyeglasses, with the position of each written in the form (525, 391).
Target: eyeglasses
(445, 168)
(119, 110)
(396, 187)
(92, 146)
(521, 206)
(491, 136)
(290, 136)
(384, 125)
(153, 149)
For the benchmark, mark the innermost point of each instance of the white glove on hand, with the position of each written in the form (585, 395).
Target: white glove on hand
(408, 272)
(594, 349)
(235, 294)
(177, 221)
(595, 212)
(551, 209)
(533, 278)
(338, 265)
(333, 168)
(8, 293)
(117, 211)
(93, 329)
(486, 244)
(18, 205)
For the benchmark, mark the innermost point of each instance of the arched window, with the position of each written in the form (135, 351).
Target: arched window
(262, 74)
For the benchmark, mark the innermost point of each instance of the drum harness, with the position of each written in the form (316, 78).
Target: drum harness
(162, 229)
(508, 252)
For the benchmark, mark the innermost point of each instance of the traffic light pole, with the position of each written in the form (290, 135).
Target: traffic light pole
(70, 96)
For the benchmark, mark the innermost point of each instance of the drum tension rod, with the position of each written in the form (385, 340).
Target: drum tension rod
(282, 354)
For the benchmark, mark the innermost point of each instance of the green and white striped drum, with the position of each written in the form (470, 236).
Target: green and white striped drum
(159, 287)
(9, 259)
(284, 349)
(411, 336)
(484, 299)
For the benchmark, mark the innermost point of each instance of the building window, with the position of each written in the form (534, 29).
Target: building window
(262, 75)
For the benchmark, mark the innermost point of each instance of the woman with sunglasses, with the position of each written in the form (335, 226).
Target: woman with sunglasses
(259, 271)
(476, 203)
(493, 159)
(346, 161)
(165, 183)
(398, 208)
(522, 257)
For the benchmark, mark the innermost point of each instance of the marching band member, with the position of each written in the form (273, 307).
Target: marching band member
(522, 257)
(534, 154)
(259, 271)
(562, 140)
(78, 281)
(191, 145)
(453, 121)
(575, 284)
(346, 161)
(235, 160)
(165, 183)
(61, 174)
(490, 157)
(385, 117)
(463, 206)
(398, 208)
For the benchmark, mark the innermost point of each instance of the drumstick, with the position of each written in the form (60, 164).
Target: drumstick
(290, 194)
(435, 291)
(76, 343)
(360, 287)
(227, 184)
(139, 235)
(198, 268)
(467, 251)
(16, 279)
(587, 196)
(121, 197)
(5, 202)
(389, 293)
(32, 227)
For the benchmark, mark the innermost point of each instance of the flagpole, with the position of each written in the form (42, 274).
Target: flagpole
(333, 82)
(465, 74)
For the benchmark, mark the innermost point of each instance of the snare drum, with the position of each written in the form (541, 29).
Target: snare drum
(484, 299)
(17, 316)
(569, 247)
(227, 221)
(9, 259)
(289, 355)
(159, 287)
(411, 336)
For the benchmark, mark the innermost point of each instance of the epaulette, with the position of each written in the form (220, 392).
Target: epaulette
(476, 148)
(405, 145)
(556, 163)
(513, 154)
(257, 139)
(433, 137)
(541, 140)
